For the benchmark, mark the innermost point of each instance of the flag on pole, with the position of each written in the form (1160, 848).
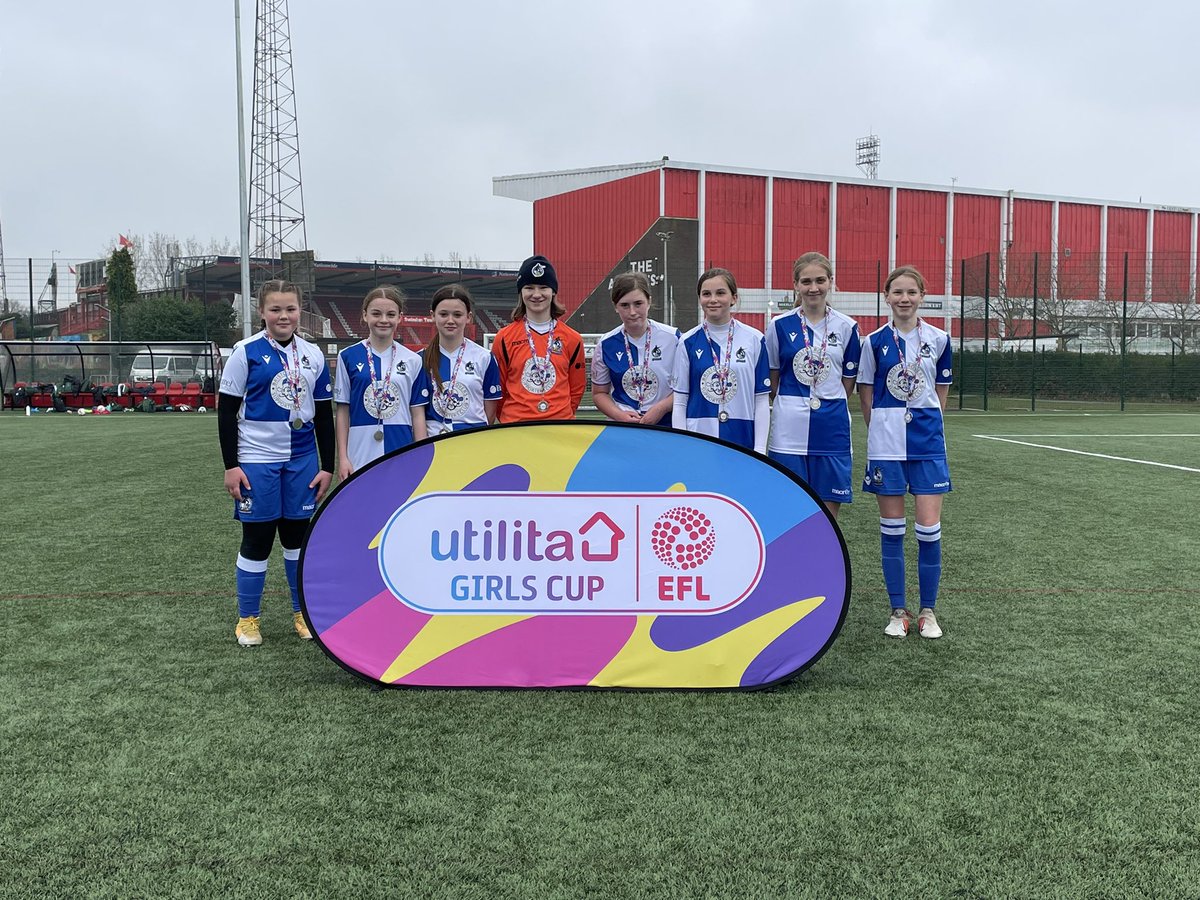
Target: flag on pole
(123, 241)
(71, 269)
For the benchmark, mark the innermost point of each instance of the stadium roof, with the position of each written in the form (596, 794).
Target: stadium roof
(533, 186)
(223, 273)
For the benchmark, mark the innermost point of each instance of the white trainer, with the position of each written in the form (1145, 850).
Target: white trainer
(897, 625)
(927, 624)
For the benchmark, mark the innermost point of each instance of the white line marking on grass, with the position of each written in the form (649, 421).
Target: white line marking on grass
(1069, 415)
(1143, 462)
(1095, 435)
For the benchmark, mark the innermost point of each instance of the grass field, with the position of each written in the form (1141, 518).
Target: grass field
(1046, 747)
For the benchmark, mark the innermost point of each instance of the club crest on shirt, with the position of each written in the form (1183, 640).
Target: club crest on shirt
(468, 368)
(656, 352)
(714, 390)
(283, 393)
(740, 356)
(556, 345)
(305, 363)
(451, 403)
(905, 384)
(810, 370)
(402, 367)
(538, 379)
(926, 351)
(640, 383)
(833, 339)
(382, 403)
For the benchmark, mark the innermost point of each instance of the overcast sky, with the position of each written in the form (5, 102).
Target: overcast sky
(122, 117)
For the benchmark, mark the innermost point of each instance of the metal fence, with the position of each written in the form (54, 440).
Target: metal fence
(1077, 330)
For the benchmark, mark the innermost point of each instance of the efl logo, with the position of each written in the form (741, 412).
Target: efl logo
(584, 554)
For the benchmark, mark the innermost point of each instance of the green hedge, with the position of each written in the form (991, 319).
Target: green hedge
(1070, 375)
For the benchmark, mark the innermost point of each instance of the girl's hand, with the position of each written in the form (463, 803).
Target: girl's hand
(235, 480)
(321, 483)
(345, 469)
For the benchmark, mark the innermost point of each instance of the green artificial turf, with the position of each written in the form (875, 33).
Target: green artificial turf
(1045, 747)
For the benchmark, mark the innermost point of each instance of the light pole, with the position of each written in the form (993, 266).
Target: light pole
(243, 199)
(668, 306)
(53, 279)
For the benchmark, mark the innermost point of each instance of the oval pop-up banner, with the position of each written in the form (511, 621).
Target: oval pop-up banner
(571, 554)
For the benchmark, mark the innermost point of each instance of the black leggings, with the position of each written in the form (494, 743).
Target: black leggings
(259, 537)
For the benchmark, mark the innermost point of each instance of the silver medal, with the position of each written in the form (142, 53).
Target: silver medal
(379, 434)
(723, 416)
(297, 424)
(908, 417)
(814, 402)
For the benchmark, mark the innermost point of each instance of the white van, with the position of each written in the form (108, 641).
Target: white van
(172, 366)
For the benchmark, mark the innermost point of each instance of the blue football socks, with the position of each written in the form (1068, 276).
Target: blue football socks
(251, 577)
(929, 562)
(291, 565)
(891, 538)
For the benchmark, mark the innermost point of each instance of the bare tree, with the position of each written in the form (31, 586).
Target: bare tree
(1179, 320)
(153, 254)
(1011, 301)
(1067, 295)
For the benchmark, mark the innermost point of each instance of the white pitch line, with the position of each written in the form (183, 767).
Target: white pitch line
(1143, 462)
(1095, 435)
(987, 414)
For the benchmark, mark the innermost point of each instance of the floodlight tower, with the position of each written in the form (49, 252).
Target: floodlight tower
(276, 193)
(867, 155)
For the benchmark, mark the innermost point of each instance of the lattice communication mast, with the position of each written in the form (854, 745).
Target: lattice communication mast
(277, 231)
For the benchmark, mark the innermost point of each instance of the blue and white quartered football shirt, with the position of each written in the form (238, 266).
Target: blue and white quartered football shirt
(889, 436)
(478, 380)
(611, 364)
(408, 387)
(268, 380)
(697, 367)
(833, 353)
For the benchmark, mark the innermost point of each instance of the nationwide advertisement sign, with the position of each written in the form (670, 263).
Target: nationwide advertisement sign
(573, 554)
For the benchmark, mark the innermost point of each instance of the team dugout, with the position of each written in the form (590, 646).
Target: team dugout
(92, 373)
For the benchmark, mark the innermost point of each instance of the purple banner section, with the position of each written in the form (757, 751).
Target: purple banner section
(420, 570)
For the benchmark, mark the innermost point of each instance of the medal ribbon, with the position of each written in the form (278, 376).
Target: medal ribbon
(818, 363)
(542, 365)
(722, 371)
(910, 374)
(640, 379)
(380, 394)
(293, 379)
(449, 388)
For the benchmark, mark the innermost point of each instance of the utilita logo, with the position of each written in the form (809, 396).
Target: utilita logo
(583, 554)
